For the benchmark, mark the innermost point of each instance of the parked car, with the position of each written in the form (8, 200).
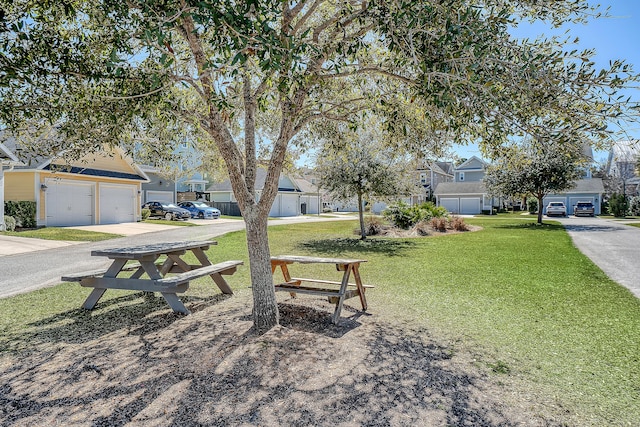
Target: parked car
(165, 210)
(584, 208)
(556, 208)
(200, 210)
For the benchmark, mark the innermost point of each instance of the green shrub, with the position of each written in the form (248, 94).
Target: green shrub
(145, 213)
(532, 205)
(618, 205)
(23, 212)
(405, 216)
(9, 223)
(399, 215)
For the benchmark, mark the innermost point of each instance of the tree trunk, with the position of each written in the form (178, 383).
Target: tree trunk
(265, 307)
(540, 207)
(363, 233)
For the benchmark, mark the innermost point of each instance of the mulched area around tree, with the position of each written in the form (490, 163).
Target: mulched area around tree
(133, 362)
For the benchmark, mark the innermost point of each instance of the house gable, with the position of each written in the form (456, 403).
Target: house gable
(471, 170)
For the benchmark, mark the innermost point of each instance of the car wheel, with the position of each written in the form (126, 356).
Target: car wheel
(168, 216)
(201, 215)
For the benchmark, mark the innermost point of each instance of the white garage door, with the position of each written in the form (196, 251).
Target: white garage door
(117, 203)
(451, 204)
(285, 205)
(159, 196)
(470, 206)
(69, 203)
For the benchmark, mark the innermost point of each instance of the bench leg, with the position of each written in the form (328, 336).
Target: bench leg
(358, 280)
(343, 290)
(222, 284)
(93, 298)
(175, 303)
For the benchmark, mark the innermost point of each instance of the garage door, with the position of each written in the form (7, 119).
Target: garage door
(470, 206)
(117, 203)
(450, 204)
(159, 196)
(69, 203)
(285, 205)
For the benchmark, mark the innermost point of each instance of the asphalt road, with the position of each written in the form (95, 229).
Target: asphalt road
(611, 245)
(26, 272)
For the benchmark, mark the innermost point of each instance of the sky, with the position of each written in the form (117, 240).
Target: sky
(617, 37)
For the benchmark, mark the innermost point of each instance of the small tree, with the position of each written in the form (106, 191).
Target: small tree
(618, 205)
(356, 165)
(538, 169)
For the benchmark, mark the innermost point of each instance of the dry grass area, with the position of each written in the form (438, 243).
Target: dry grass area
(133, 362)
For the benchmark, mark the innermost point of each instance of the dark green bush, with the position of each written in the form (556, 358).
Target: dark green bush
(24, 213)
(618, 205)
(532, 205)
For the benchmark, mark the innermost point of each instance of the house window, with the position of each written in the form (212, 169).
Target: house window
(461, 176)
(423, 178)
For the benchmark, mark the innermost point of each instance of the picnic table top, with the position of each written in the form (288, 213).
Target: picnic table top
(135, 252)
(311, 260)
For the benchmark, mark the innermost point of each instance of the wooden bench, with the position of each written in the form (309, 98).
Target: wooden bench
(168, 286)
(341, 290)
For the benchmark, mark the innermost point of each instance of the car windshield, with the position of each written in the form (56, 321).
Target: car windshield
(168, 205)
(556, 204)
(201, 204)
(586, 204)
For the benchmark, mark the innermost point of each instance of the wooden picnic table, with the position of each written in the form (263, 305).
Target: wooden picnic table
(321, 287)
(148, 263)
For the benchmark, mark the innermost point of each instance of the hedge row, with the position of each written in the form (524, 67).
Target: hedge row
(23, 212)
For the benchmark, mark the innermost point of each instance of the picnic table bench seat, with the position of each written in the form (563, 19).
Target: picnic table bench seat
(146, 260)
(225, 267)
(337, 291)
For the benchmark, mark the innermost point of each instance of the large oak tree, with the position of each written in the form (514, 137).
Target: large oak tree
(146, 74)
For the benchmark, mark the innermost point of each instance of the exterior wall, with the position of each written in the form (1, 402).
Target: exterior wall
(312, 202)
(158, 183)
(469, 176)
(19, 186)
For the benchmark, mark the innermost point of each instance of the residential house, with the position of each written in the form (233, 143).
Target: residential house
(295, 196)
(159, 188)
(622, 165)
(8, 160)
(468, 195)
(432, 174)
(100, 188)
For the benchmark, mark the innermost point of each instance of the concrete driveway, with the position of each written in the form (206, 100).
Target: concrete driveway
(611, 245)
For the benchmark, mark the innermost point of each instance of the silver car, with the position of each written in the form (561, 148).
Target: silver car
(557, 209)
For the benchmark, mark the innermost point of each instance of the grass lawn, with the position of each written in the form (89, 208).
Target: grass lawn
(526, 306)
(57, 233)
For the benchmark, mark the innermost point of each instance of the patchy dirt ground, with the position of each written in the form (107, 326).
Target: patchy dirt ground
(135, 363)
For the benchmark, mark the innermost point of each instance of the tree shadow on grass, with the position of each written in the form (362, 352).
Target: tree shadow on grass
(390, 247)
